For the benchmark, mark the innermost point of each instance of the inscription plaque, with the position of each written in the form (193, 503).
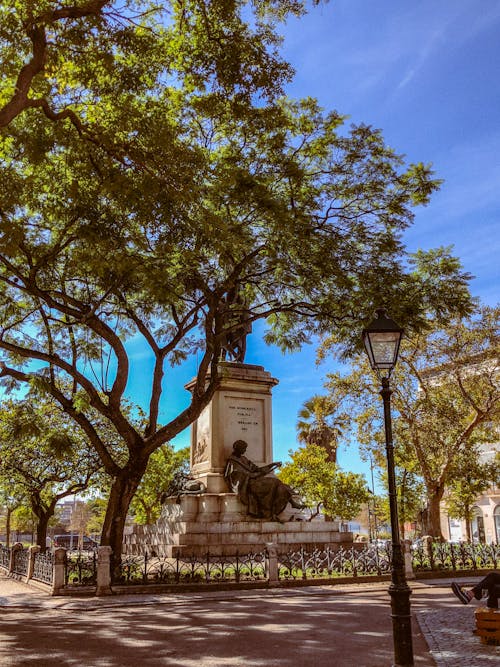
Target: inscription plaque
(245, 421)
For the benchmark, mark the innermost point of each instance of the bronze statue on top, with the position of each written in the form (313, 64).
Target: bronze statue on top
(264, 497)
(238, 324)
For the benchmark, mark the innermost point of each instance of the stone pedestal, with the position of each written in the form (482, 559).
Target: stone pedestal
(239, 410)
(221, 527)
(103, 571)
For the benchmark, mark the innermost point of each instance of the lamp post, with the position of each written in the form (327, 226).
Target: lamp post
(381, 339)
(374, 504)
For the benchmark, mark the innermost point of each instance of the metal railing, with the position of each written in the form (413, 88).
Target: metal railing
(444, 556)
(80, 568)
(4, 556)
(43, 567)
(21, 561)
(192, 569)
(330, 563)
(301, 564)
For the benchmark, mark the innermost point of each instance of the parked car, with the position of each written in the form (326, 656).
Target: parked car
(382, 544)
(417, 544)
(69, 541)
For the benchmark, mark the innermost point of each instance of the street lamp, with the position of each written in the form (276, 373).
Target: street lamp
(381, 339)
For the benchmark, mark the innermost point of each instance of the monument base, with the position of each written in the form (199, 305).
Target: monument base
(217, 523)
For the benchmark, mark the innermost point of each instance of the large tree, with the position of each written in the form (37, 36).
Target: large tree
(44, 456)
(446, 400)
(157, 186)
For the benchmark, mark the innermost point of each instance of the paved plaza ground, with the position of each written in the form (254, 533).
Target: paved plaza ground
(316, 626)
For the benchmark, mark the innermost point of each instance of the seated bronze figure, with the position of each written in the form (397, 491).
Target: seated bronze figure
(264, 496)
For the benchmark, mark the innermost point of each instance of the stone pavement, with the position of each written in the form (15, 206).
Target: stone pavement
(450, 639)
(315, 626)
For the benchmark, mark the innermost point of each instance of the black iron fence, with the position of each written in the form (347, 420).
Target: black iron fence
(191, 569)
(301, 564)
(331, 563)
(21, 561)
(43, 566)
(443, 556)
(80, 568)
(4, 556)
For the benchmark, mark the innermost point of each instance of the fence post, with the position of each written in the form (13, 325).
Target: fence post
(33, 550)
(15, 548)
(59, 577)
(428, 541)
(408, 559)
(272, 562)
(104, 571)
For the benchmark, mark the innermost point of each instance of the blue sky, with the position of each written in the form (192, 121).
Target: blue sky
(427, 74)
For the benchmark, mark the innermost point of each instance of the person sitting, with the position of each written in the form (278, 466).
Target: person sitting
(490, 586)
(264, 496)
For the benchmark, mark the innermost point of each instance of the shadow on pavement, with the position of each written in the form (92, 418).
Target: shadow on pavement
(299, 628)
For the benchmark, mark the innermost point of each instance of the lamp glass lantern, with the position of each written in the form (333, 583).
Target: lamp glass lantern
(381, 339)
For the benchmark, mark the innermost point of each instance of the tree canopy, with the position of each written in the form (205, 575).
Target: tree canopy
(446, 401)
(43, 457)
(323, 485)
(162, 468)
(156, 183)
(321, 424)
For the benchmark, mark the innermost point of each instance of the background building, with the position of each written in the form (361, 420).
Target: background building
(485, 525)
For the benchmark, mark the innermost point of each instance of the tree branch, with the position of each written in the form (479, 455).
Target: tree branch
(35, 29)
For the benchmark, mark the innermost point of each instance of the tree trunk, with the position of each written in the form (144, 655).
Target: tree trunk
(7, 526)
(120, 496)
(435, 496)
(41, 528)
(331, 451)
(468, 531)
(43, 514)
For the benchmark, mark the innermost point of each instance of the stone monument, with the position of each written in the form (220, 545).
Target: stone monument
(216, 520)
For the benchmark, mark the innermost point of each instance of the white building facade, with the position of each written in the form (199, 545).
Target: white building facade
(485, 525)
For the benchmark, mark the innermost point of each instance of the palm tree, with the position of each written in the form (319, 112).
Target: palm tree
(321, 424)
